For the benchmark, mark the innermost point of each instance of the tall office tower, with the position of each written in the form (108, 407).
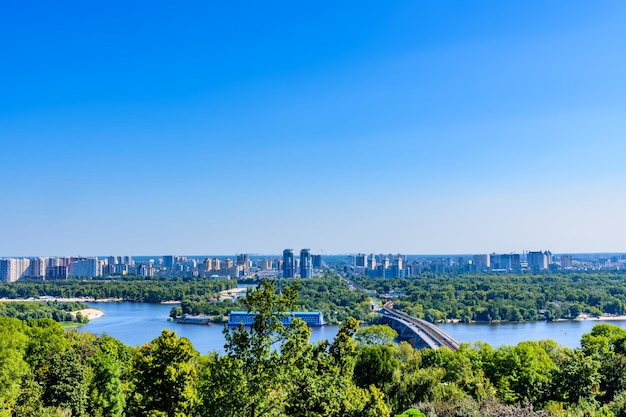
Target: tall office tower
(288, 264)
(306, 263)
(537, 261)
(168, 262)
(317, 261)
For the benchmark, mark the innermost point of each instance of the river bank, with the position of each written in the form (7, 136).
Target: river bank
(581, 317)
(89, 313)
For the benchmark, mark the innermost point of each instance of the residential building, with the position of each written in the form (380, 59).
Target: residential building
(306, 263)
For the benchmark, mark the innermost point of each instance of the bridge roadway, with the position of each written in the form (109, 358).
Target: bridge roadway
(431, 335)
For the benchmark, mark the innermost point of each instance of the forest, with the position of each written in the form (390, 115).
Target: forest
(272, 370)
(491, 297)
(138, 289)
(328, 294)
(29, 310)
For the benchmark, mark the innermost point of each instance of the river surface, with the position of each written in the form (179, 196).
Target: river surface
(566, 333)
(138, 323)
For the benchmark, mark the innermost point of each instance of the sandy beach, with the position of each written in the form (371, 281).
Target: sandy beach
(90, 313)
(233, 292)
(607, 317)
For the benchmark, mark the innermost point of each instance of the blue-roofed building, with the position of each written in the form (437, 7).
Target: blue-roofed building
(311, 318)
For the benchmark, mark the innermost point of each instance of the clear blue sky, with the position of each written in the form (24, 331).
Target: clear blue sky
(215, 127)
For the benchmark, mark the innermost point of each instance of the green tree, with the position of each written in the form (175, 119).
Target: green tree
(413, 412)
(107, 397)
(375, 365)
(254, 347)
(13, 368)
(164, 377)
(577, 376)
(522, 372)
(66, 384)
(378, 334)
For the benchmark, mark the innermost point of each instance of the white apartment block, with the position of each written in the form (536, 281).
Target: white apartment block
(12, 269)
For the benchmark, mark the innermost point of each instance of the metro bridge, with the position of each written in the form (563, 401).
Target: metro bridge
(418, 332)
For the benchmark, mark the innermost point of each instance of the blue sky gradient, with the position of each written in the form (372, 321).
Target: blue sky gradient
(228, 127)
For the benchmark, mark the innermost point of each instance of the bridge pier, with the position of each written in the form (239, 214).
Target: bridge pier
(405, 334)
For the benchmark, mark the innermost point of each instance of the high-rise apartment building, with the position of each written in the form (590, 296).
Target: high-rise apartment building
(482, 262)
(56, 272)
(317, 261)
(168, 262)
(37, 268)
(306, 263)
(566, 261)
(371, 262)
(12, 269)
(266, 264)
(288, 264)
(85, 267)
(216, 264)
(539, 261)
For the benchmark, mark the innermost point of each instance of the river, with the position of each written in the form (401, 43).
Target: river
(138, 323)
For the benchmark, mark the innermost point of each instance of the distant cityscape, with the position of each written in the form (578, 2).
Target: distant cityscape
(306, 265)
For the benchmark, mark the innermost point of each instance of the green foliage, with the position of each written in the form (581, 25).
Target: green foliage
(164, 377)
(13, 368)
(66, 383)
(30, 310)
(375, 365)
(377, 334)
(272, 370)
(330, 295)
(483, 297)
(411, 413)
(107, 397)
(138, 289)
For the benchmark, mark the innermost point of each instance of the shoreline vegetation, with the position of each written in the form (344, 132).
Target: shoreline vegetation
(471, 298)
(70, 313)
(361, 372)
(493, 298)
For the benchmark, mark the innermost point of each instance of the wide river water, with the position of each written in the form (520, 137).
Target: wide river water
(138, 323)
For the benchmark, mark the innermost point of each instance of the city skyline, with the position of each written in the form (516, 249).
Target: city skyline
(441, 128)
(308, 265)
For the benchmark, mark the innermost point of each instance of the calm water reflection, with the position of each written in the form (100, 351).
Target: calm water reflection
(137, 323)
(566, 333)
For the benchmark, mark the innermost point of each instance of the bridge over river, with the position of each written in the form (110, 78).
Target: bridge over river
(417, 332)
